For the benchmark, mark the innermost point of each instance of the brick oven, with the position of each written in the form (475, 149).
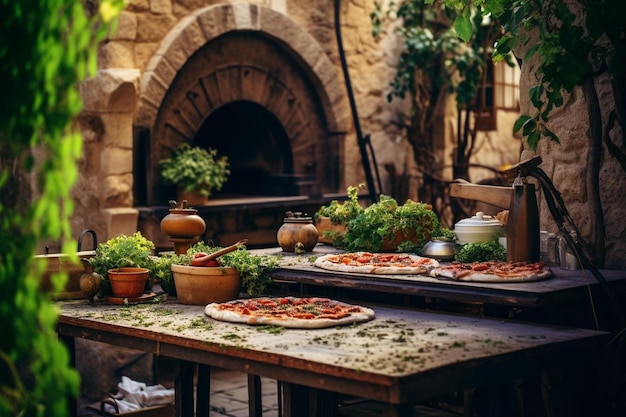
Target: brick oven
(247, 81)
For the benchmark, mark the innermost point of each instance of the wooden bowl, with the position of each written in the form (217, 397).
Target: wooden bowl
(201, 285)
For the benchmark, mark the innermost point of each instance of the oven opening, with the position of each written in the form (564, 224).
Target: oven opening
(257, 146)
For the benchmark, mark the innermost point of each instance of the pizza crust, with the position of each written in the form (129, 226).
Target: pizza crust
(421, 265)
(215, 311)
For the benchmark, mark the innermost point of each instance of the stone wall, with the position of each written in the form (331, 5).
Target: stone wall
(566, 164)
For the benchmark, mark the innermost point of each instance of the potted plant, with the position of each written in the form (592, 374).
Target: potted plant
(125, 263)
(196, 172)
(386, 226)
(332, 220)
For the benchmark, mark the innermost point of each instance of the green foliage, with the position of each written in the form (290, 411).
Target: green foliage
(570, 50)
(253, 269)
(49, 46)
(343, 212)
(195, 169)
(162, 272)
(481, 252)
(379, 222)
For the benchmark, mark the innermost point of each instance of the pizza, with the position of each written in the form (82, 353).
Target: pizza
(292, 312)
(493, 271)
(376, 263)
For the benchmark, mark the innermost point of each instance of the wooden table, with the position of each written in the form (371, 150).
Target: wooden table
(399, 358)
(565, 288)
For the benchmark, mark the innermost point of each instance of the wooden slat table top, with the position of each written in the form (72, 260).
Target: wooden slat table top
(564, 286)
(401, 355)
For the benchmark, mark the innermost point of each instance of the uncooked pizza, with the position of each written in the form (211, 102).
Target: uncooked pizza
(376, 263)
(493, 271)
(292, 312)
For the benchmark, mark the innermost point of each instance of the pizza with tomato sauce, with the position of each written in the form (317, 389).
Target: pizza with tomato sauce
(291, 312)
(376, 263)
(493, 271)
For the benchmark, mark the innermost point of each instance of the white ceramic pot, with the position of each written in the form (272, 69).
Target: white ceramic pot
(478, 228)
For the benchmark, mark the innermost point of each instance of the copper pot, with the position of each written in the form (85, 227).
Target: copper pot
(297, 234)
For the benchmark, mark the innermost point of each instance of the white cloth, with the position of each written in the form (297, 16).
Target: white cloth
(133, 395)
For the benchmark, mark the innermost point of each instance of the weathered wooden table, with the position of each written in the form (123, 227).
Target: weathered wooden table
(565, 298)
(399, 358)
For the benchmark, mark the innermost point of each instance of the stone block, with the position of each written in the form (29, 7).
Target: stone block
(120, 220)
(126, 27)
(116, 54)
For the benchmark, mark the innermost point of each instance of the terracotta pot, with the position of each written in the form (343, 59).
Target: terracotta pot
(325, 225)
(200, 285)
(399, 237)
(194, 198)
(183, 223)
(128, 282)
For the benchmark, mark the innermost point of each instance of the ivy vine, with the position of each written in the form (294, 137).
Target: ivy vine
(49, 46)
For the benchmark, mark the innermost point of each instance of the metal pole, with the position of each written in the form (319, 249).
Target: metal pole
(357, 126)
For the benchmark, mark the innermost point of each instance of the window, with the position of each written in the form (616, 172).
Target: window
(500, 91)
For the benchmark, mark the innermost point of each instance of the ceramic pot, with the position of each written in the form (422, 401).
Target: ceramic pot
(183, 226)
(478, 228)
(183, 223)
(60, 262)
(297, 234)
(201, 285)
(128, 282)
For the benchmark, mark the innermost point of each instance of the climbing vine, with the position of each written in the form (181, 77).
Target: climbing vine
(48, 47)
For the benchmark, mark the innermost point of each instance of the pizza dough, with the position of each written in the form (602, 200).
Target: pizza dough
(291, 312)
(376, 263)
(493, 271)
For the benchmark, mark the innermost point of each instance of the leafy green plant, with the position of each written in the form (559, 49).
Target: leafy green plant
(253, 269)
(342, 212)
(52, 48)
(481, 252)
(382, 221)
(195, 169)
(162, 272)
(123, 251)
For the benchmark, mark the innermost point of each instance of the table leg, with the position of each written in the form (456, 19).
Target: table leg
(70, 343)
(255, 402)
(203, 390)
(295, 400)
(184, 390)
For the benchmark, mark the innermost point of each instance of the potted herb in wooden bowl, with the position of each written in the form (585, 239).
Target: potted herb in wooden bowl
(196, 172)
(125, 263)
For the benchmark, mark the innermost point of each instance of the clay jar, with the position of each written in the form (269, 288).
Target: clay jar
(183, 225)
(297, 234)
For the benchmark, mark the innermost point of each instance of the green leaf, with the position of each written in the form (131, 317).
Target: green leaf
(520, 122)
(463, 27)
(533, 140)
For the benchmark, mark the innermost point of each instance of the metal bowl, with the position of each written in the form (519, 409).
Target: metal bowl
(440, 250)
